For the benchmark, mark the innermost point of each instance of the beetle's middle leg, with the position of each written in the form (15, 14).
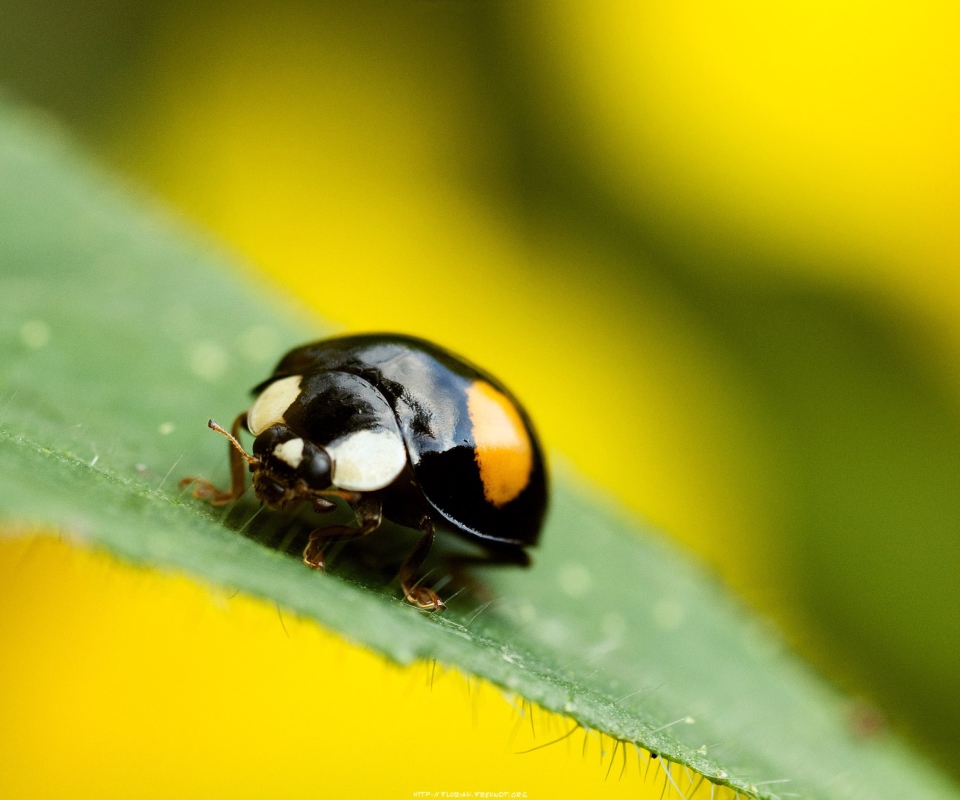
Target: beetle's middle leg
(369, 512)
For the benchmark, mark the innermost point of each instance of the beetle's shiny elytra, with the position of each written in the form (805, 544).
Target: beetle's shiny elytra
(400, 429)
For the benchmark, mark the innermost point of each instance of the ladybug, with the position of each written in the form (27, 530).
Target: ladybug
(400, 429)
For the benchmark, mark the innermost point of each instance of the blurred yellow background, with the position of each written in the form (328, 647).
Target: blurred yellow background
(713, 249)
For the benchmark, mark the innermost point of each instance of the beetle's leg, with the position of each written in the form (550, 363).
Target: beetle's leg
(351, 497)
(369, 511)
(323, 506)
(204, 490)
(420, 596)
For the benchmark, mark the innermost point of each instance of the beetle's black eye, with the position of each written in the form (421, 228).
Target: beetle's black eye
(315, 467)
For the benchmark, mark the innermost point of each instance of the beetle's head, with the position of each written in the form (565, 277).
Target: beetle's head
(285, 466)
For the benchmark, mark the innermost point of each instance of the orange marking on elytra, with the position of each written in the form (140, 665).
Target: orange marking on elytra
(504, 450)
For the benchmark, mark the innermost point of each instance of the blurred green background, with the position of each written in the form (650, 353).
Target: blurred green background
(714, 248)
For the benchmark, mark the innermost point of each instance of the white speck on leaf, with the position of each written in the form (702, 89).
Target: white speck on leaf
(526, 611)
(260, 343)
(552, 631)
(207, 360)
(668, 614)
(575, 580)
(35, 333)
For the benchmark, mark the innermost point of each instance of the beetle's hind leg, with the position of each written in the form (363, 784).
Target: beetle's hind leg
(420, 596)
(204, 490)
(369, 511)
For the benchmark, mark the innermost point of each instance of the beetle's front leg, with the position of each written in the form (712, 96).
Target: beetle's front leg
(420, 596)
(204, 490)
(369, 513)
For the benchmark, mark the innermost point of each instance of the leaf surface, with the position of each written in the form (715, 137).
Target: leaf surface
(122, 332)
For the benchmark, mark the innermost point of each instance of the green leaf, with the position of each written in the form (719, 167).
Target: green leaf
(122, 333)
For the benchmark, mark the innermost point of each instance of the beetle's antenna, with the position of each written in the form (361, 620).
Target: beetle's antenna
(219, 429)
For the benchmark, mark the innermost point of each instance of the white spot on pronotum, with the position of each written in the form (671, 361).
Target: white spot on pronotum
(35, 333)
(575, 580)
(290, 452)
(268, 409)
(613, 625)
(260, 343)
(668, 614)
(165, 429)
(367, 460)
(207, 360)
